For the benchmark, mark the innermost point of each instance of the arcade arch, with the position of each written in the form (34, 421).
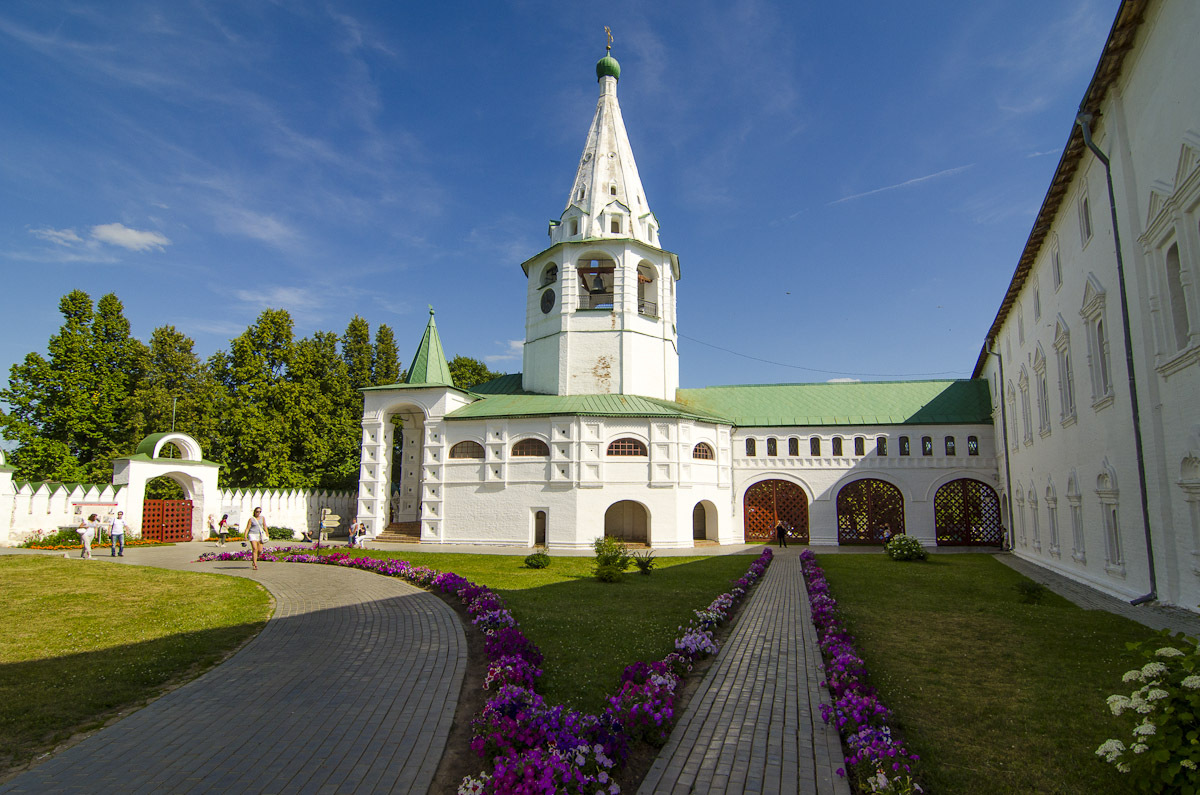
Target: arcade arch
(627, 521)
(866, 508)
(768, 502)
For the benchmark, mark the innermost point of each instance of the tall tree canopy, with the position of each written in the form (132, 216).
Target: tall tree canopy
(275, 410)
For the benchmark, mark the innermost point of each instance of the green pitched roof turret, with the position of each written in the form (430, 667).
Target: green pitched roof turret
(608, 67)
(429, 362)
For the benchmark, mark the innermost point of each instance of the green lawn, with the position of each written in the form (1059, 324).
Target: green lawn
(996, 696)
(589, 630)
(83, 640)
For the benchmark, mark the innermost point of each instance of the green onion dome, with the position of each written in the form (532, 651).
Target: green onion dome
(608, 67)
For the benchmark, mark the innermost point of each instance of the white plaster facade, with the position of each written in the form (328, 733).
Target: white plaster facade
(1071, 448)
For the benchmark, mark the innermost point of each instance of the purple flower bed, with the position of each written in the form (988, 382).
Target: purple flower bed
(529, 746)
(876, 761)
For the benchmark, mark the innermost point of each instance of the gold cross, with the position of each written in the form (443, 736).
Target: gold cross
(608, 34)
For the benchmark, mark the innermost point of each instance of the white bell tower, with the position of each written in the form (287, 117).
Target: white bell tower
(600, 313)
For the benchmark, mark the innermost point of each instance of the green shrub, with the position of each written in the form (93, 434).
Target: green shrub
(1163, 754)
(1030, 592)
(612, 552)
(281, 533)
(902, 547)
(645, 561)
(538, 560)
(61, 536)
(609, 573)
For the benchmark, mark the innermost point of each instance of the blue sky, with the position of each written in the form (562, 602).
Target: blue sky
(848, 185)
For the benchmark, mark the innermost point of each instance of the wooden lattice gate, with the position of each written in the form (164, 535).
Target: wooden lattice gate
(868, 508)
(167, 520)
(967, 512)
(769, 501)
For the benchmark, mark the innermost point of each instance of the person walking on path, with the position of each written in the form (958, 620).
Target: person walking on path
(256, 534)
(781, 531)
(116, 532)
(223, 530)
(87, 531)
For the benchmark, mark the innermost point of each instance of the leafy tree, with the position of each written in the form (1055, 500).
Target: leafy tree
(68, 414)
(177, 390)
(386, 368)
(324, 426)
(468, 372)
(261, 401)
(356, 350)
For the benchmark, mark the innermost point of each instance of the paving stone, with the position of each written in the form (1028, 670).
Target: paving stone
(350, 663)
(754, 723)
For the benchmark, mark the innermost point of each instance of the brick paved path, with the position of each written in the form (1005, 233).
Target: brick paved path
(1151, 615)
(351, 687)
(754, 724)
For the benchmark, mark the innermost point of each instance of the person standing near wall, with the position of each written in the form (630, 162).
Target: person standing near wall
(87, 531)
(256, 534)
(223, 530)
(116, 531)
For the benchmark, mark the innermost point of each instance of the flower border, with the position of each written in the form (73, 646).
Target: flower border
(530, 747)
(876, 761)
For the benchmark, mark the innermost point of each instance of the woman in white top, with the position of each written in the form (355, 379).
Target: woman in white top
(256, 534)
(87, 531)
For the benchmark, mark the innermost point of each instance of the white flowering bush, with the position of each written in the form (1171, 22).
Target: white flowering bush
(1163, 754)
(902, 547)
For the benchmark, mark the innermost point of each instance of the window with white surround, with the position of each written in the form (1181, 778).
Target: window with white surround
(1012, 416)
(1106, 492)
(1020, 511)
(1052, 520)
(1098, 343)
(1037, 302)
(1189, 482)
(1026, 415)
(1020, 326)
(1172, 247)
(1085, 216)
(1056, 265)
(1035, 518)
(1066, 379)
(1075, 500)
(1041, 391)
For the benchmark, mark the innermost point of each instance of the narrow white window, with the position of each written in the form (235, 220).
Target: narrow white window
(1085, 219)
(1177, 299)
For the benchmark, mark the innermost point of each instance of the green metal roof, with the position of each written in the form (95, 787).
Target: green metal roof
(608, 67)
(509, 384)
(530, 405)
(857, 403)
(429, 362)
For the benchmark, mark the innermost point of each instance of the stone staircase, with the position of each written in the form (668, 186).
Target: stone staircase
(401, 533)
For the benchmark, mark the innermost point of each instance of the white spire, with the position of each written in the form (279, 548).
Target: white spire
(607, 199)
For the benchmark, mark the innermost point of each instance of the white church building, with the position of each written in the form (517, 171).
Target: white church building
(594, 437)
(1076, 441)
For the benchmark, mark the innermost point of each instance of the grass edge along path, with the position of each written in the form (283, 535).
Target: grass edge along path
(995, 695)
(530, 744)
(85, 644)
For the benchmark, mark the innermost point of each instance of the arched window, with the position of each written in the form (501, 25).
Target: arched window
(950, 445)
(880, 445)
(972, 445)
(647, 291)
(926, 445)
(596, 275)
(750, 448)
(550, 274)
(837, 446)
(703, 452)
(772, 447)
(574, 226)
(904, 448)
(793, 446)
(627, 447)
(467, 450)
(814, 446)
(1177, 300)
(531, 448)
(860, 445)
(612, 190)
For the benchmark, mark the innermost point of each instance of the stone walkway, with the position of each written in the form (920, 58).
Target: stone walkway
(351, 687)
(754, 724)
(1154, 616)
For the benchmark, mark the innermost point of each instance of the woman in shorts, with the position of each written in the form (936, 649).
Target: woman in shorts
(256, 534)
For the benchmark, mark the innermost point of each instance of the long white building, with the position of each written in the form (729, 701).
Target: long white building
(1077, 440)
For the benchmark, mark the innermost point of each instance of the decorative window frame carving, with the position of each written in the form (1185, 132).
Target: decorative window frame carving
(1099, 340)
(1066, 375)
(1042, 391)
(1075, 501)
(1108, 495)
(1055, 542)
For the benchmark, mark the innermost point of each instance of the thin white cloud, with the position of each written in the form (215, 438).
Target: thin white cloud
(258, 226)
(844, 381)
(906, 184)
(515, 350)
(290, 298)
(132, 239)
(59, 237)
(1032, 155)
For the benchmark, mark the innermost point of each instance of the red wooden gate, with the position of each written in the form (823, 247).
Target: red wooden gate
(167, 520)
(769, 501)
(866, 508)
(967, 512)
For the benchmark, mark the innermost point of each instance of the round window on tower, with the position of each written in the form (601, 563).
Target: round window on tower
(547, 301)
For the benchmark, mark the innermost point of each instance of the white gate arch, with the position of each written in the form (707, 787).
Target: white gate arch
(196, 476)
